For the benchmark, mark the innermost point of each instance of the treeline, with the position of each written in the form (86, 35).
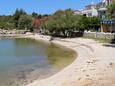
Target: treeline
(61, 23)
(6, 22)
(19, 20)
(65, 23)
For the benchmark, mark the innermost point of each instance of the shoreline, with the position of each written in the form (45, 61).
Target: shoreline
(94, 64)
(92, 67)
(34, 72)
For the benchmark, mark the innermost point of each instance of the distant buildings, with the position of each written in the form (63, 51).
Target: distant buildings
(98, 9)
(107, 25)
(101, 7)
(78, 12)
(90, 10)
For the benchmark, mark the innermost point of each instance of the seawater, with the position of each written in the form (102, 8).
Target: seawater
(24, 60)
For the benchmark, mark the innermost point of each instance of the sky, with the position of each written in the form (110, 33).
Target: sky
(8, 7)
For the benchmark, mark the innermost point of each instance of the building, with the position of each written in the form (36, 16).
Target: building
(90, 10)
(99, 9)
(77, 12)
(107, 2)
(106, 25)
(102, 10)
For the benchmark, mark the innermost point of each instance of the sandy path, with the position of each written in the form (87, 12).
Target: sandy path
(94, 66)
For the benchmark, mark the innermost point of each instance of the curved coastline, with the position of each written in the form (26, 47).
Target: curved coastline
(94, 65)
(65, 74)
(90, 68)
(56, 63)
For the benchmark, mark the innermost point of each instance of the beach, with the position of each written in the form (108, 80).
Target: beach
(94, 64)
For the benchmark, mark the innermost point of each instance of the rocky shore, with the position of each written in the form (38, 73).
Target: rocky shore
(14, 33)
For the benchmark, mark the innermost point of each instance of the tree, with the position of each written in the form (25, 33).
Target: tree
(65, 23)
(58, 14)
(17, 15)
(111, 11)
(94, 23)
(6, 22)
(34, 14)
(45, 15)
(62, 23)
(25, 22)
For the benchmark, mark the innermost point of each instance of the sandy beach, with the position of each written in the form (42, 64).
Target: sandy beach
(94, 65)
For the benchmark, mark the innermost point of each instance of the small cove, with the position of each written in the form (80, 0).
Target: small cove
(24, 60)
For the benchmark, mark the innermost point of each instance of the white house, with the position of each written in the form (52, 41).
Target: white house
(98, 9)
(90, 10)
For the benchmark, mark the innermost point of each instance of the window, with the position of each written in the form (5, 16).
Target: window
(89, 14)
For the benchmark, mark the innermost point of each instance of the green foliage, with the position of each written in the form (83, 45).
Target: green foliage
(17, 16)
(94, 23)
(35, 15)
(111, 11)
(65, 22)
(19, 20)
(61, 23)
(6, 22)
(24, 22)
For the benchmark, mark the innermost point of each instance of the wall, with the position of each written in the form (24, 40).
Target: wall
(99, 35)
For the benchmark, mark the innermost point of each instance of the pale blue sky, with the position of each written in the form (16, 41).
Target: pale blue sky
(41, 6)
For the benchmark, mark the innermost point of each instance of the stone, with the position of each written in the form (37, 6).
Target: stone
(110, 63)
(82, 70)
(79, 78)
(87, 75)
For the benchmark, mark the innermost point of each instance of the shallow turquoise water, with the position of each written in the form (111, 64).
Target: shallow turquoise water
(24, 60)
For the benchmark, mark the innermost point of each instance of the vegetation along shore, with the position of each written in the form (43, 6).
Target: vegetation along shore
(89, 33)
